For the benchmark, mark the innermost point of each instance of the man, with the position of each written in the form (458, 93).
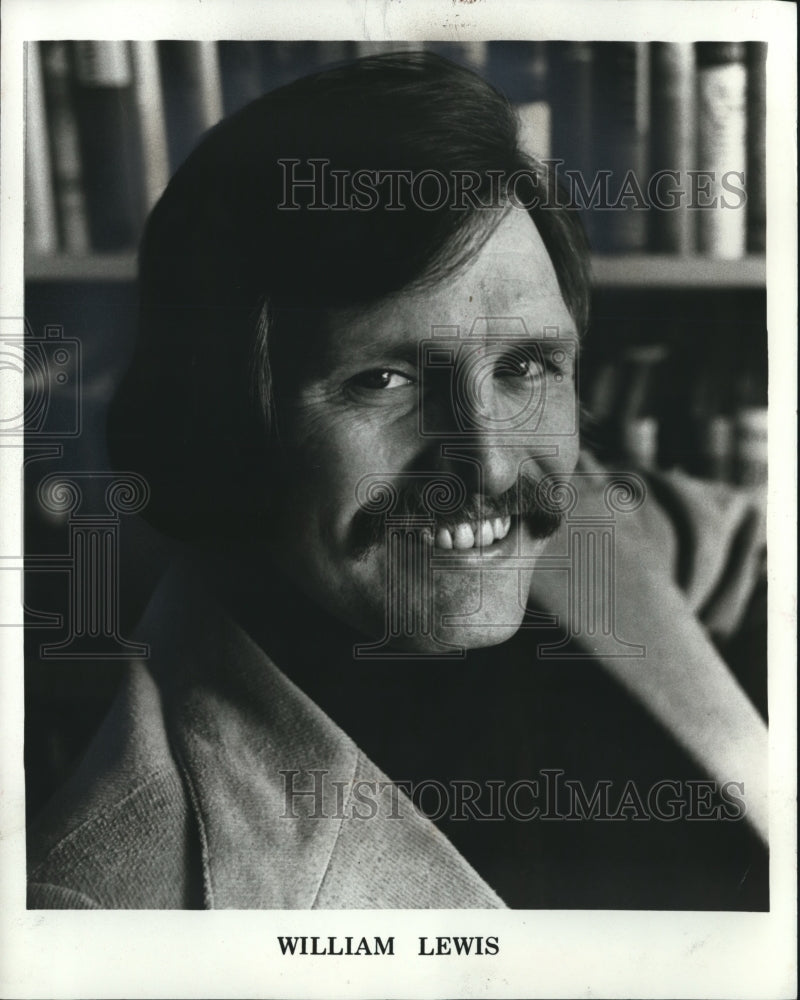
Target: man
(354, 400)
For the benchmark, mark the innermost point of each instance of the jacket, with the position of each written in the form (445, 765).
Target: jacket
(181, 800)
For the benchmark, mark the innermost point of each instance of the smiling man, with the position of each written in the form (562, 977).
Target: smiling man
(496, 416)
(354, 399)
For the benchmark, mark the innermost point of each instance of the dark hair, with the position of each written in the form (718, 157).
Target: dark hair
(221, 261)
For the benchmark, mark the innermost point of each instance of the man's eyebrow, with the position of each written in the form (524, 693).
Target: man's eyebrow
(567, 342)
(403, 348)
(564, 338)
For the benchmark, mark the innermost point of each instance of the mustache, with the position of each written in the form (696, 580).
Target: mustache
(521, 500)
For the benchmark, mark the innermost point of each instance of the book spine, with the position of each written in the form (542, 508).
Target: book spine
(572, 111)
(473, 55)
(672, 146)
(209, 83)
(633, 420)
(67, 164)
(751, 446)
(41, 233)
(520, 71)
(284, 62)
(333, 53)
(721, 148)
(378, 48)
(711, 443)
(152, 124)
(756, 147)
(717, 441)
(750, 428)
(620, 140)
(240, 72)
(190, 78)
(109, 142)
(639, 441)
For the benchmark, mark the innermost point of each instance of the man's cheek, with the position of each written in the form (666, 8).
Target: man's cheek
(560, 425)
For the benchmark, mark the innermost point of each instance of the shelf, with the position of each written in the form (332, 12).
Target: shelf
(89, 267)
(663, 271)
(625, 271)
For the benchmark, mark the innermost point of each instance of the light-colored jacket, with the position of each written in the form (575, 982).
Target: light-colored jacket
(181, 800)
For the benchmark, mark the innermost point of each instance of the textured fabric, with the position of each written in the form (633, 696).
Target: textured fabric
(123, 834)
(181, 802)
(711, 541)
(120, 833)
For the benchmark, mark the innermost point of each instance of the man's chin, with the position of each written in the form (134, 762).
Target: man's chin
(457, 639)
(468, 611)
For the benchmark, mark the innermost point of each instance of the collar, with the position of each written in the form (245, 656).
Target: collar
(245, 738)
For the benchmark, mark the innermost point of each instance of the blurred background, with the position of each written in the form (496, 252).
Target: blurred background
(673, 373)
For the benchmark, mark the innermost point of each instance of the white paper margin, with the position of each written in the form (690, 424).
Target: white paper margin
(543, 953)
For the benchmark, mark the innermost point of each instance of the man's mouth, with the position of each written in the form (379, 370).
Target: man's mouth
(469, 534)
(483, 526)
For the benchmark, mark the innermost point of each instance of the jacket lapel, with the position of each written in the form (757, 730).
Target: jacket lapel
(291, 814)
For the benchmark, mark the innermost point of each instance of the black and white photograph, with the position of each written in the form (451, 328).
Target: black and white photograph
(401, 403)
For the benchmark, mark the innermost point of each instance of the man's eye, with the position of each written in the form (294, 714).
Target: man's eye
(519, 364)
(381, 378)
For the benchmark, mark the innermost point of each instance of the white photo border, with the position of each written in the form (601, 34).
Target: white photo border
(544, 953)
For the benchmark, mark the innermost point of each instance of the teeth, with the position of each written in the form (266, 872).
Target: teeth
(468, 536)
(444, 540)
(464, 537)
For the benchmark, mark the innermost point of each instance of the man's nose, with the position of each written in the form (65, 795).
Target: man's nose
(478, 433)
(485, 465)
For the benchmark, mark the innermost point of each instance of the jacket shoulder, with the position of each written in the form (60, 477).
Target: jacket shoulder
(121, 834)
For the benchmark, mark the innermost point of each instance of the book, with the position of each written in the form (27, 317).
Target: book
(520, 71)
(240, 73)
(66, 159)
(750, 429)
(751, 446)
(473, 55)
(601, 391)
(283, 62)
(639, 441)
(710, 446)
(366, 48)
(332, 53)
(571, 106)
(716, 434)
(673, 112)
(110, 142)
(41, 233)
(192, 88)
(756, 180)
(597, 385)
(633, 418)
(721, 149)
(152, 123)
(621, 119)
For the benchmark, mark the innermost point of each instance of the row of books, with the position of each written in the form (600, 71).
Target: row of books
(663, 142)
(657, 406)
(687, 122)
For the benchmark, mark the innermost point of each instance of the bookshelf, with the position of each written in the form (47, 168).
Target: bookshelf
(81, 267)
(678, 320)
(661, 271)
(622, 109)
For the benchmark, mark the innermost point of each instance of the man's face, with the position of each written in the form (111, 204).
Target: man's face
(469, 383)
